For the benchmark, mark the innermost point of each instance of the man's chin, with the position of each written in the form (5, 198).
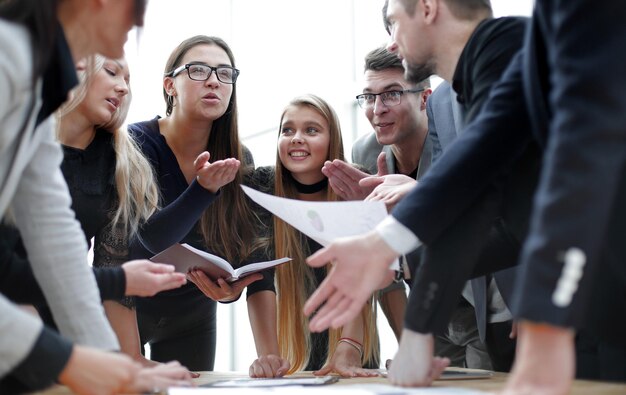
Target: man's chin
(418, 73)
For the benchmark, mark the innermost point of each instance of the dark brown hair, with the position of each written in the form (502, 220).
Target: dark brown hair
(225, 224)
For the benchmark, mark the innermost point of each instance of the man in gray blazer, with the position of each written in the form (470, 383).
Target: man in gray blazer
(404, 142)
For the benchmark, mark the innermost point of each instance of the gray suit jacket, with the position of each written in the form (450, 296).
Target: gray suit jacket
(33, 190)
(444, 119)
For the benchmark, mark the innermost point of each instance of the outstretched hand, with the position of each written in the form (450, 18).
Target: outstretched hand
(213, 176)
(145, 278)
(360, 266)
(221, 290)
(389, 189)
(345, 178)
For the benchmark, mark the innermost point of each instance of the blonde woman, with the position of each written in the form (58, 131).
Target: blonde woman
(99, 157)
(309, 134)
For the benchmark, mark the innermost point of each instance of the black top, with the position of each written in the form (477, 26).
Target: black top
(486, 54)
(177, 222)
(263, 180)
(89, 175)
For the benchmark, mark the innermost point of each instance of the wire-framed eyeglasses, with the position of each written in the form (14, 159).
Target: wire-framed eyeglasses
(202, 72)
(389, 98)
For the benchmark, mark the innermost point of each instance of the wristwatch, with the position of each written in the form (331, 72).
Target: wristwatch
(404, 273)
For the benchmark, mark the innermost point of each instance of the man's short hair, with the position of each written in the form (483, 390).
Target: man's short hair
(381, 59)
(469, 9)
(461, 9)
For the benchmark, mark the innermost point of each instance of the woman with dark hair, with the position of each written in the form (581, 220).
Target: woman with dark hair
(203, 206)
(39, 42)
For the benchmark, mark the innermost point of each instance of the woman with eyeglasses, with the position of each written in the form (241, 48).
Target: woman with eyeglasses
(309, 134)
(39, 41)
(196, 153)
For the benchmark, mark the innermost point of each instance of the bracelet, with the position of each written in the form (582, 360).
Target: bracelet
(353, 343)
(352, 340)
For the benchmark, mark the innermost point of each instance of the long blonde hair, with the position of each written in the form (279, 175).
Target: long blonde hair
(137, 200)
(295, 281)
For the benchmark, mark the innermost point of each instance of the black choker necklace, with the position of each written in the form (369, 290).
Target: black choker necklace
(313, 188)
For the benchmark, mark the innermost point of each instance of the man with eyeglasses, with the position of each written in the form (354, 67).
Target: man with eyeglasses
(400, 145)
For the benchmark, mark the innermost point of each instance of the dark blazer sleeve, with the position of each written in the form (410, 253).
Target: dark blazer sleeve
(472, 162)
(582, 184)
(41, 367)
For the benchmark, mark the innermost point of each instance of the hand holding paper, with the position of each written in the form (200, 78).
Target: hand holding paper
(360, 257)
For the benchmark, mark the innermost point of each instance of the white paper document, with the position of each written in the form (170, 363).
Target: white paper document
(354, 389)
(323, 221)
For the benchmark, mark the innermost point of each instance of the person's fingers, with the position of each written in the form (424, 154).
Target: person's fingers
(203, 158)
(323, 371)
(381, 164)
(275, 364)
(345, 312)
(266, 369)
(244, 282)
(159, 267)
(325, 290)
(321, 257)
(371, 181)
(326, 315)
(340, 192)
(342, 182)
(361, 372)
(345, 372)
(283, 368)
(171, 281)
(226, 292)
(208, 287)
(438, 366)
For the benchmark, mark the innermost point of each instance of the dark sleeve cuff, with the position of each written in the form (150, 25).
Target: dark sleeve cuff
(264, 284)
(43, 364)
(111, 282)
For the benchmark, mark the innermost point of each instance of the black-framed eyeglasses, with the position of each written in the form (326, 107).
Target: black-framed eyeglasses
(389, 98)
(202, 72)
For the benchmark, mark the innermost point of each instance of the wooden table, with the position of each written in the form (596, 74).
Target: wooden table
(492, 384)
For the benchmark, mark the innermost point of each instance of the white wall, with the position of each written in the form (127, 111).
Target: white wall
(283, 48)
